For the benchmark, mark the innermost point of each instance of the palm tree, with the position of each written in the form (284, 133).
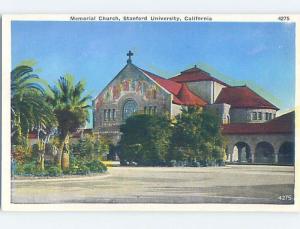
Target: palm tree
(29, 109)
(71, 109)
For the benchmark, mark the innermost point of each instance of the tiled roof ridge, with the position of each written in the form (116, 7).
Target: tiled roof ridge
(182, 86)
(194, 70)
(228, 92)
(261, 96)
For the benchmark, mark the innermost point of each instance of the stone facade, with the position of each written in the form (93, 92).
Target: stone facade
(129, 85)
(223, 110)
(250, 145)
(247, 115)
(208, 90)
(134, 90)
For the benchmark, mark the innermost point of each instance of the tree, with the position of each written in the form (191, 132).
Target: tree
(91, 147)
(196, 136)
(29, 108)
(71, 108)
(145, 139)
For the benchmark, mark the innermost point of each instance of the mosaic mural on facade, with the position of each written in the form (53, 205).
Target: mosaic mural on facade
(142, 87)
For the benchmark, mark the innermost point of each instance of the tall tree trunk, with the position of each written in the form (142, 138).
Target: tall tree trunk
(60, 150)
(63, 156)
(66, 155)
(41, 161)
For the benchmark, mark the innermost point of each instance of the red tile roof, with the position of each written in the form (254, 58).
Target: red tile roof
(243, 97)
(181, 93)
(284, 124)
(188, 98)
(169, 85)
(194, 75)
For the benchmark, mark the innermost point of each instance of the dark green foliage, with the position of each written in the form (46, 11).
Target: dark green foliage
(54, 171)
(18, 169)
(29, 108)
(145, 139)
(29, 168)
(91, 147)
(77, 167)
(193, 139)
(69, 103)
(197, 136)
(96, 166)
(81, 166)
(70, 106)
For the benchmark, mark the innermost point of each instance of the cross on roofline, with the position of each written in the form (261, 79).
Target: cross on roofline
(129, 54)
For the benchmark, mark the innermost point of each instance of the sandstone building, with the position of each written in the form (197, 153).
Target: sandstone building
(253, 132)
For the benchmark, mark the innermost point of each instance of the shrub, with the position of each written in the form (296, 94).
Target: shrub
(18, 169)
(41, 173)
(35, 151)
(54, 171)
(29, 168)
(91, 147)
(18, 153)
(83, 170)
(96, 166)
(145, 139)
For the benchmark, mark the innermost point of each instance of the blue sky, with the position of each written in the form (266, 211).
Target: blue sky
(261, 55)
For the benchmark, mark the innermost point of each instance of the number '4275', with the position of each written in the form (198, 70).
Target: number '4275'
(283, 18)
(285, 197)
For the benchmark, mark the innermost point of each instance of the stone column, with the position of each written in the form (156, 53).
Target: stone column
(239, 154)
(276, 146)
(229, 152)
(276, 157)
(252, 157)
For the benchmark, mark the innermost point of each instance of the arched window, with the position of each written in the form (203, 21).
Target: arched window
(129, 108)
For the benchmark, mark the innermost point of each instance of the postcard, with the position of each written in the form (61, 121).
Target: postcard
(150, 112)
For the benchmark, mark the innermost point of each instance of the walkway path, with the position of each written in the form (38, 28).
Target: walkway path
(230, 184)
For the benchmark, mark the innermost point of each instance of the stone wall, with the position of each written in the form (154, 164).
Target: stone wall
(202, 88)
(129, 84)
(222, 110)
(217, 88)
(239, 115)
(252, 140)
(208, 90)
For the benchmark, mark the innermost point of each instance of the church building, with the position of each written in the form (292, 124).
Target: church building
(250, 126)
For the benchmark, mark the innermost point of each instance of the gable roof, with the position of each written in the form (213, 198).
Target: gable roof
(170, 86)
(187, 97)
(284, 124)
(243, 97)
(195, 74)
(182, 95)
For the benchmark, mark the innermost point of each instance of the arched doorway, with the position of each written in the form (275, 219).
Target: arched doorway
(264, 153)
(242, 153)
(286, 153)
(130, 107)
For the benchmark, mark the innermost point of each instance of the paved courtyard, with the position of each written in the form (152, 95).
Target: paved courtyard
(230, 184)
